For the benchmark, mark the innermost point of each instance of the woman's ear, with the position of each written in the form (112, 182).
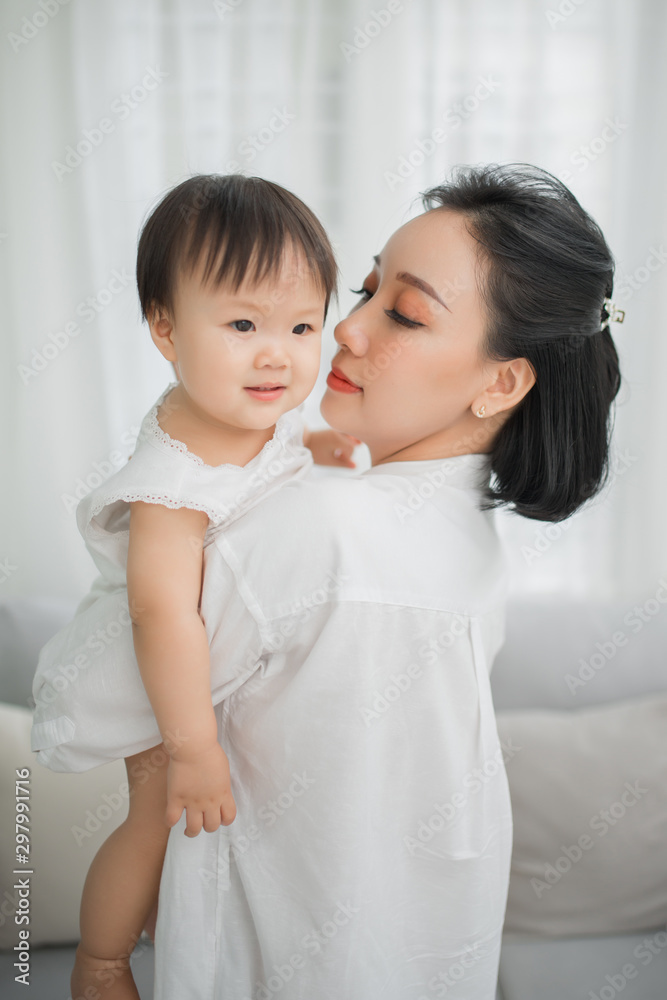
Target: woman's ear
(162, 331)
(513, 380)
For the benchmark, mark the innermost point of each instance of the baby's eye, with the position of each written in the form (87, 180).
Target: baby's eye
(242, 325)
(301, 328)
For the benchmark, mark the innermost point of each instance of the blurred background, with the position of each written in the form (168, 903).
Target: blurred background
(106, 105)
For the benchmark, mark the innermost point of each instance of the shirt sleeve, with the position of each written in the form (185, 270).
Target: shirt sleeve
(234, 638)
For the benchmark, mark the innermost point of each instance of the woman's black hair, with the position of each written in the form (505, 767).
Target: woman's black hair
(234, 223)
(547, 270)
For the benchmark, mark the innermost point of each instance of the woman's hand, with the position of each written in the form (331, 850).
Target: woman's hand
(199, 782)
(330, 447)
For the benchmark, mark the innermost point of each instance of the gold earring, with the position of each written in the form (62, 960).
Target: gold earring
(481, 411)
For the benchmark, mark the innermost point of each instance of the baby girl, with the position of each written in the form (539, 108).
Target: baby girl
(235, 275)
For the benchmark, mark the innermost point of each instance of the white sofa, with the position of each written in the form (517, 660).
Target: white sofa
(584, 688)
(586, 935)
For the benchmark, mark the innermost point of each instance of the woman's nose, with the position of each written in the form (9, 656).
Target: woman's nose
(351, 332)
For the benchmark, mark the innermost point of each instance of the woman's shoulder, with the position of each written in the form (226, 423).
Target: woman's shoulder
(381, 500)
(325, 503)
(378, 530)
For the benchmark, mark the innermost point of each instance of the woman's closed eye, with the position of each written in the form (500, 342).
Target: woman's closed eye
(397, 317)
(402, 320)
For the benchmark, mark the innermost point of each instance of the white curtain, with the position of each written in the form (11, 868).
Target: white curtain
(106, 105)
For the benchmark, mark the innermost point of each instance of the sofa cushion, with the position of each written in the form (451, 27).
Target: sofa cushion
(589, 800)
(565, 653)
(71, 815)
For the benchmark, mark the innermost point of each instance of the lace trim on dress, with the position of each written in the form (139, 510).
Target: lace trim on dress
(151, 427)
(214, 516)
(151, 431)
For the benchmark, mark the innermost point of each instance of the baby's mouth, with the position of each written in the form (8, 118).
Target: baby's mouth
(266, 390)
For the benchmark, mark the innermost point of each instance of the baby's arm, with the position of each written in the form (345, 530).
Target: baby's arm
(164, 575)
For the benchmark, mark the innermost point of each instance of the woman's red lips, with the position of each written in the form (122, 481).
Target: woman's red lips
(340, 382)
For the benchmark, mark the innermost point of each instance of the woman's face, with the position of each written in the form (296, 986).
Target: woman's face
(412, 349)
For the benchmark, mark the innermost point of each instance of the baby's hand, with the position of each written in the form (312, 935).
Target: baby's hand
(201, 785)
(330, 447)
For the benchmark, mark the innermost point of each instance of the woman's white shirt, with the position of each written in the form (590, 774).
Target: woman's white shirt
(353, 622)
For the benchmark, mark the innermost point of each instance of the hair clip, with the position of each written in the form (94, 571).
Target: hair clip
(616, 315)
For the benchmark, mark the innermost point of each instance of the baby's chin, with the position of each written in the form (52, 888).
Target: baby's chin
(259, 414)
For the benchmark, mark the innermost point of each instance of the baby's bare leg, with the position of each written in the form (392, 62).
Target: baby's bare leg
(122, 885)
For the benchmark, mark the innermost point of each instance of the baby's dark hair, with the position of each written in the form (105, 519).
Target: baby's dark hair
(239, 226)
(546, 272)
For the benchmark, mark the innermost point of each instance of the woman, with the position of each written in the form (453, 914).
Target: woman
(355, 620)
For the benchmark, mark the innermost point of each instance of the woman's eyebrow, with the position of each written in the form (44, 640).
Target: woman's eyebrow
(412, 279)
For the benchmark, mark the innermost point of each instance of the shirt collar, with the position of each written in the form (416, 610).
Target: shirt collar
(469, 471)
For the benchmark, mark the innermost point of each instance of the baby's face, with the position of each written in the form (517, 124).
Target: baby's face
(230, 345)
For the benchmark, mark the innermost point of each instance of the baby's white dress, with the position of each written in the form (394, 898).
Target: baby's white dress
(90, 703)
